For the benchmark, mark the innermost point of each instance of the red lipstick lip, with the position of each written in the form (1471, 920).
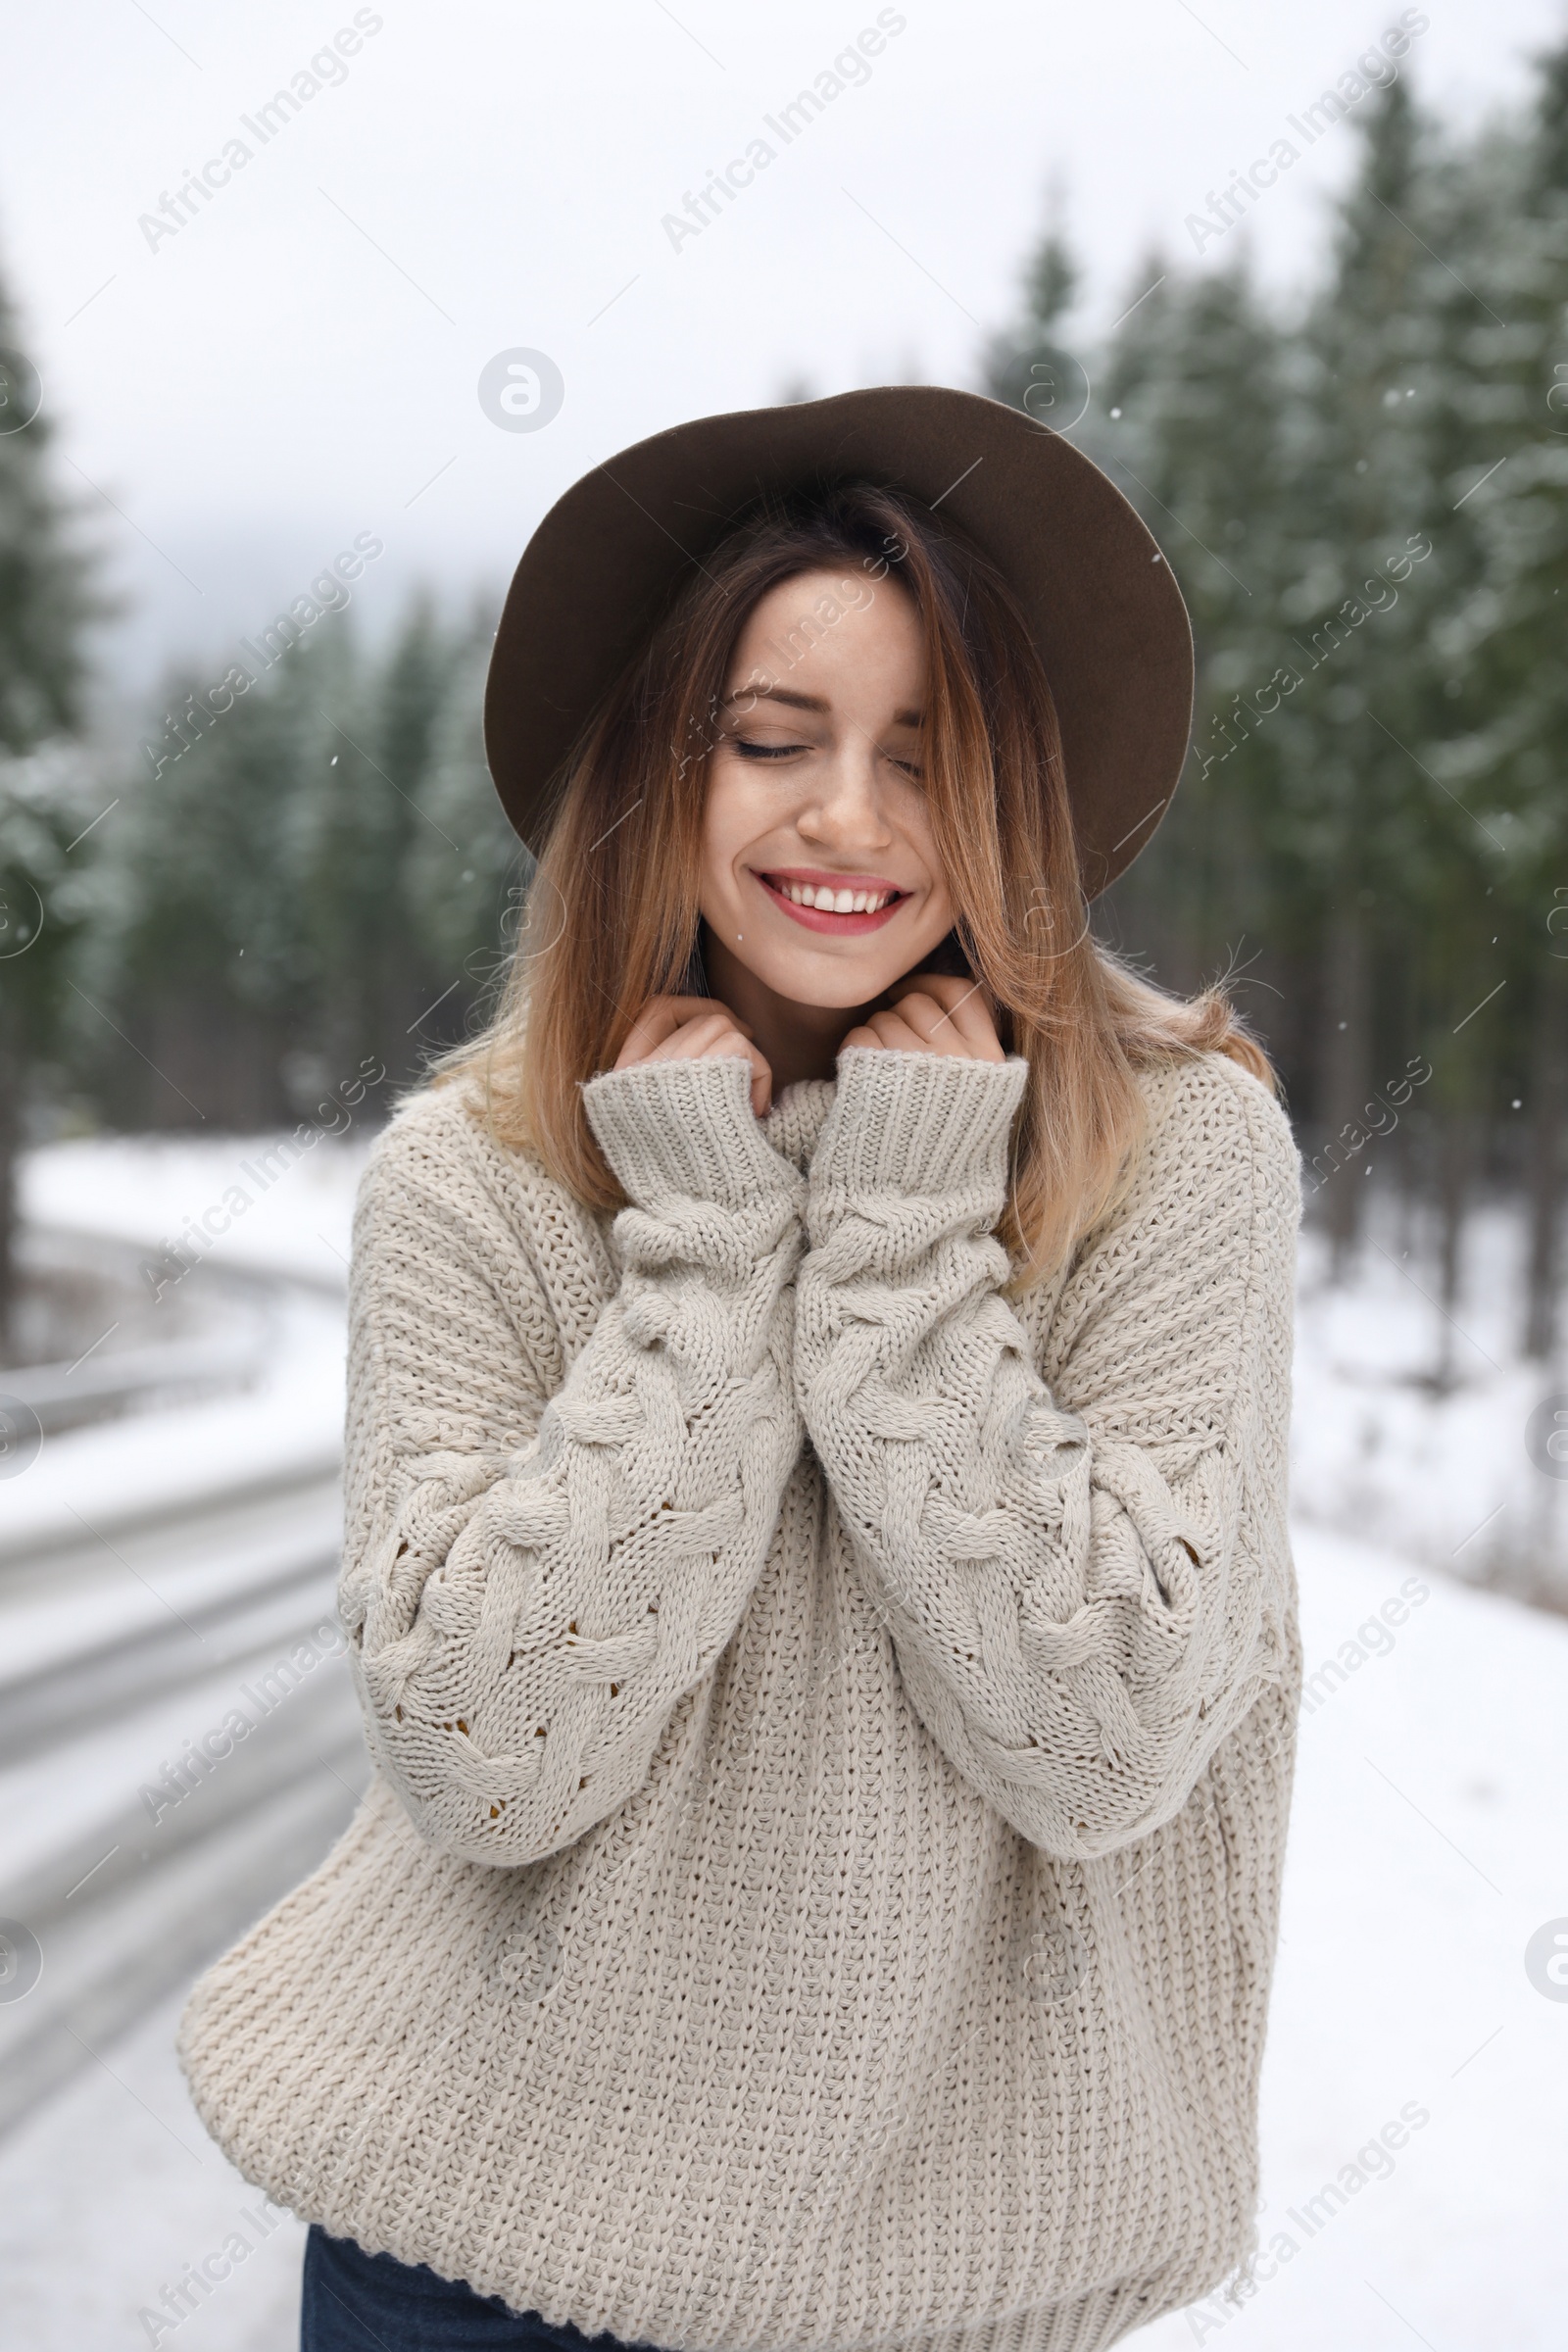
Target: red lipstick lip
(817, 919)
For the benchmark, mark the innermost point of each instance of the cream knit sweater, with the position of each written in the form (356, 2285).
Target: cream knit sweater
(833, 1728)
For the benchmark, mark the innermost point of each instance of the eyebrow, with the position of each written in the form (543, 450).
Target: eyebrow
(807, 702)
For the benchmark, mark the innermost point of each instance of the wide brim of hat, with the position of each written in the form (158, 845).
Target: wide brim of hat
(1101, 604)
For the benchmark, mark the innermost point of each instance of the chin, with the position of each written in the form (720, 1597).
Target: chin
(838, 984)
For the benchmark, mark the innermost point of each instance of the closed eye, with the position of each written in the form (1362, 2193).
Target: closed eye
(786, 751)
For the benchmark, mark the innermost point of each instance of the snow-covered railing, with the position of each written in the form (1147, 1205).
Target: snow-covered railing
(64, 1395)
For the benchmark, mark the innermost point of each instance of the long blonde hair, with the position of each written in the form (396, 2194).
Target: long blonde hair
(612, 915)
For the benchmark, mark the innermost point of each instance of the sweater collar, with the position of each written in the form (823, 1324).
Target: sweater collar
(795, 1121)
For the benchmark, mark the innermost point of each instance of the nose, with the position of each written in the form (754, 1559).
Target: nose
(845, 808)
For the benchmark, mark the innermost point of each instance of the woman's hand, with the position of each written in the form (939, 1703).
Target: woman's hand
(939, 1014)
(694, 1029)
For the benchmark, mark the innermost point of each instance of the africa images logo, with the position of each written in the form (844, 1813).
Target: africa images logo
(327, 70)
(1373, 69)
(850, 70)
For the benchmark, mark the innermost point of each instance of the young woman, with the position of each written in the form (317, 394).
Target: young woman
(817, 1571)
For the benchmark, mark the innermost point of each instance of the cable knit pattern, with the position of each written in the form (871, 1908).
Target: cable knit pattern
(523, 1626)
(1078, 1624)
(833, 1728)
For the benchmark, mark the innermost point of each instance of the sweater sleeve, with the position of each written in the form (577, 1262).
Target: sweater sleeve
(1087, 1590)
(532, 1581)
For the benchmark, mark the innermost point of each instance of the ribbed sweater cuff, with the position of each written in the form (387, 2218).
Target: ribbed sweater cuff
(916, 1123)
(686, 1130)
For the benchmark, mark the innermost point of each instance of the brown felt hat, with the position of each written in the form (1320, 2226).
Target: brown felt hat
(1101, 604)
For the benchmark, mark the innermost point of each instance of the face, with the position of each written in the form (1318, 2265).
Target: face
(819, 872)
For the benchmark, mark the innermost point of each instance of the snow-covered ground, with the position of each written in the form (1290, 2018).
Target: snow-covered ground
(1414, 2147)
(265, 1203)
(149, 1191)
(1446, 1478)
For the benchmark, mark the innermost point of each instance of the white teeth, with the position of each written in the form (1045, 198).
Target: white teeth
(834, 902)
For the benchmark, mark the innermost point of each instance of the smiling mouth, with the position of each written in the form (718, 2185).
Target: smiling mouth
(855, 904)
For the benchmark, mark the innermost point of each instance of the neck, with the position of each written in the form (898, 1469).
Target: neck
(798, 1041)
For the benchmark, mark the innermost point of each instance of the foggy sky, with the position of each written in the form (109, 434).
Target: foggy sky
(298, 362)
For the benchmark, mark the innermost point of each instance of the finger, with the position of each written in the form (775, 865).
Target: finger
(660, 1016)
(715, 1037)
(933, 1027)
(964, 1019)
(717, 1004)
(950, 989)
(693, 1037)
(730, 1043)
(727, 1045)
(896, 1036)
(655, 1021)
(920, 1011)
(687, 1006)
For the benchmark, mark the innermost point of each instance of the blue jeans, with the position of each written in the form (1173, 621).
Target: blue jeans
(358, 2302)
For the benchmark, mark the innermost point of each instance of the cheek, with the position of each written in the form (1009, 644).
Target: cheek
(915, 820)
(721, 835)
(729, 824)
